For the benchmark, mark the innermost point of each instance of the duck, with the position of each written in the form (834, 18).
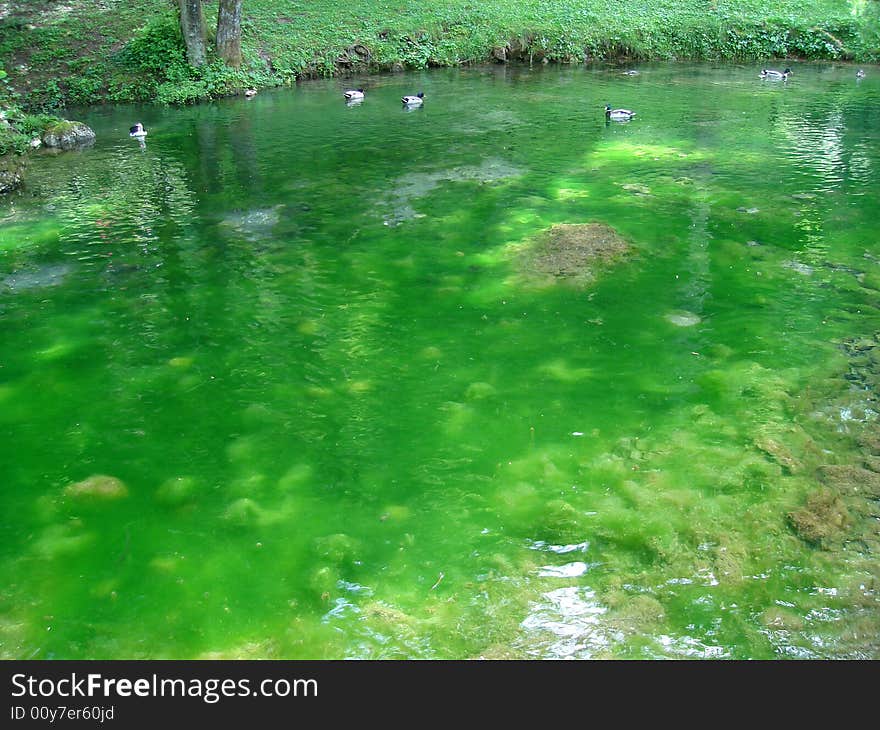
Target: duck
(620, 115)
(353, 94)
(769, 73)
(860, 74)
(137, 131)
(250, 93)
(414, 100)
(631, 72)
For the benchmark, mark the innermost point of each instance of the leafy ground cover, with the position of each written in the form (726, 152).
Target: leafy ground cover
(71, 52)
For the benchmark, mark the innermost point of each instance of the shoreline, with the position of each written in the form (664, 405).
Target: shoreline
(118, 54)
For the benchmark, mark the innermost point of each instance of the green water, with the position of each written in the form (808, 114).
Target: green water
(347, 421)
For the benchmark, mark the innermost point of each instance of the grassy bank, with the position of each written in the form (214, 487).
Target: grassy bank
(81, 52)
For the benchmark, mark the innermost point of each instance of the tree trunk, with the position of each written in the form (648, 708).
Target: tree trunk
(192, 25)
(229, 32)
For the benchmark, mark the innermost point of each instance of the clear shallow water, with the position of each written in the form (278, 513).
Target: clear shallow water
(347, 425)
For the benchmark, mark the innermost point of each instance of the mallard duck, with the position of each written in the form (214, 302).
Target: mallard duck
(353, 94)
(413, 100)
(860, 74)
(769, 73)
(620, 115)
(137, 131)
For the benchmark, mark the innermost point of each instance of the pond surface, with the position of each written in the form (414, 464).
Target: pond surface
(285, 382)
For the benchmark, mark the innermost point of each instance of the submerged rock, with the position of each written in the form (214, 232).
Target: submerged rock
(822, 520)
(560, 522)
(413, 186)
(799, 267)
(574, 251)
(337, 548)
(479, 391)
(44, 276)
(97, 486)
(635, 613)
(637, 188)
(244, 512)
(779, 453)
(255, 224)
(177, 490)
(848, 479)
(781, 619)
(323, 580)
(683, 318)
(61, 540)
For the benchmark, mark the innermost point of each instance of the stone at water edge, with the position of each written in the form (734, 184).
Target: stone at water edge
(12, 169)
(68, 136)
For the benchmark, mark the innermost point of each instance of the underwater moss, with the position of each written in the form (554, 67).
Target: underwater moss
(634, 613)
(822, 520)
(851, 479)
(780, 618)
(573, 252)
(779, 453)
(338, 548)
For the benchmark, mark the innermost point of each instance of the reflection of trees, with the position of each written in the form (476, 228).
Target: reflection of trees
(225, 155)
(830, 146)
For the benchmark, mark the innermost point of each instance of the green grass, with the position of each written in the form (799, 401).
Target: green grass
(80, 52)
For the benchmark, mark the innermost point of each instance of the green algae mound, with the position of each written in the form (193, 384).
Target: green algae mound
(822, 520)
(573, 253)
(97, 486)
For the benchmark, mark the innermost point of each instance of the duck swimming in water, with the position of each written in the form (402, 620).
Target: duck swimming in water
(413, 100)
(860, 74)
(769, 73)
(618, 115)
(353, 94)
(137, 131)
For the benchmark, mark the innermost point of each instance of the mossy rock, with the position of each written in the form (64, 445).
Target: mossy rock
(560, 522)
(870, 442)
(780, 619)
(574, 252)
(380, 612)
(67, 135)
(636, 613)
(501, 652)
(851, 479)
(779, 453)
(97, 487)
(265, 649)
(12, 168)
(822, 520)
